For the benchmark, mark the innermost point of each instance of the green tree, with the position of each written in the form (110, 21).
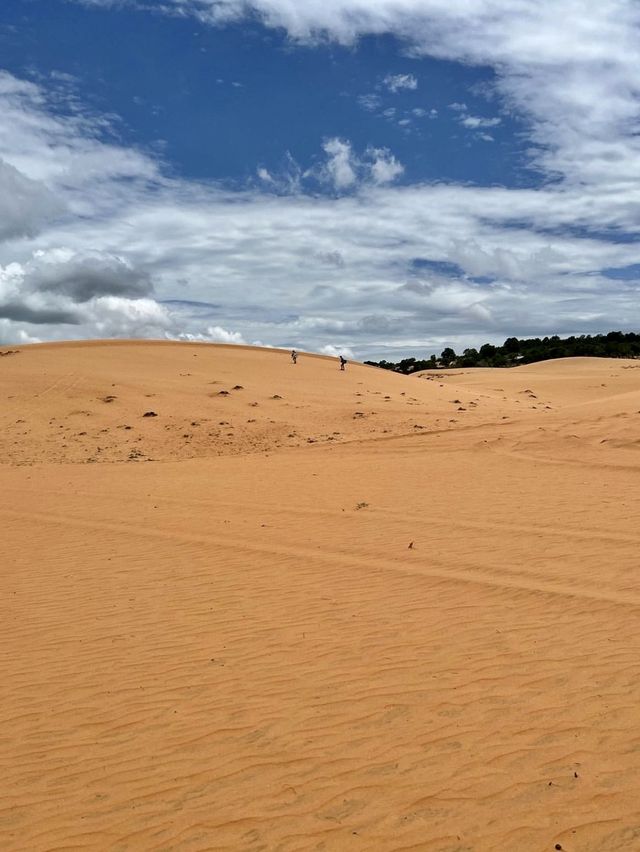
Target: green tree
(448, 356)
(469, 358)
(487, 351)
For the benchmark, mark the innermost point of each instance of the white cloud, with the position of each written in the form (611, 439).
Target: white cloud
(9, 333)
(93, 290)
(396, 82)
(287, 180)
(345, 170)
(475, 122)
(255, 261)
(370, 102)
(577, 83)
(83, 276)
(93, 295)
(509, 264)
(314, 271)
(213, 334)
(384, 167)
(25, 204)
(336, 351)
(340, 166)
(115, 316)
(264, 175)
(65, 167)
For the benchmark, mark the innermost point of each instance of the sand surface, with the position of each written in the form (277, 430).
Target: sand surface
(321, 610)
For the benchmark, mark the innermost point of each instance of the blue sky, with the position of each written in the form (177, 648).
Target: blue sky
(218, 102)
(381, 178)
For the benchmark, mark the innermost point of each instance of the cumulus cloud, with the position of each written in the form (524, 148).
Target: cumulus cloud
(420, 112)
(396, 82)
(340, 167)
(10, 333)
(336, 351)
(96, 290)
(213, 334)
(37, 294)
(384, 166)
(474, 122)
(84, 276)
(115, 316)
(265, 175)
(344, 168)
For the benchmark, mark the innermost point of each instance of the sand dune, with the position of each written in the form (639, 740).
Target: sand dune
(86, 402)
(375, 613)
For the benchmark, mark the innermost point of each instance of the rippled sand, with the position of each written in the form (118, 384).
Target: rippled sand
(320, 611)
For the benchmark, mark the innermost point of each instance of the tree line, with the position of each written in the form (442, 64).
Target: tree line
(615, 344)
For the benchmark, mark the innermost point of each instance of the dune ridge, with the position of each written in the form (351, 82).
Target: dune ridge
(412, 625)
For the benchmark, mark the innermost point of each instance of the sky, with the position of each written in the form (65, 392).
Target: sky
(380, 178)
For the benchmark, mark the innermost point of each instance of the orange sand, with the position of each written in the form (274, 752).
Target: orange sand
(215, 635)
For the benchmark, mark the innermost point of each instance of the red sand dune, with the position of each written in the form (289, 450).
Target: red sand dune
(321, 611)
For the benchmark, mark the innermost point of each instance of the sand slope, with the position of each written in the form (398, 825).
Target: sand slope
(235, 647)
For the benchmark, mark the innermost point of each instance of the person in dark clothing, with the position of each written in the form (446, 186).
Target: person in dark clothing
(343, 362)
(294, 356)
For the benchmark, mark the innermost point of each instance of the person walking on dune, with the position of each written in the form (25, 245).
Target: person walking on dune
(343, 362)
(294, 356)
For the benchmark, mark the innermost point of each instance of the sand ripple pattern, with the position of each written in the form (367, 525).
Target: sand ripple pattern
(244, 653)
